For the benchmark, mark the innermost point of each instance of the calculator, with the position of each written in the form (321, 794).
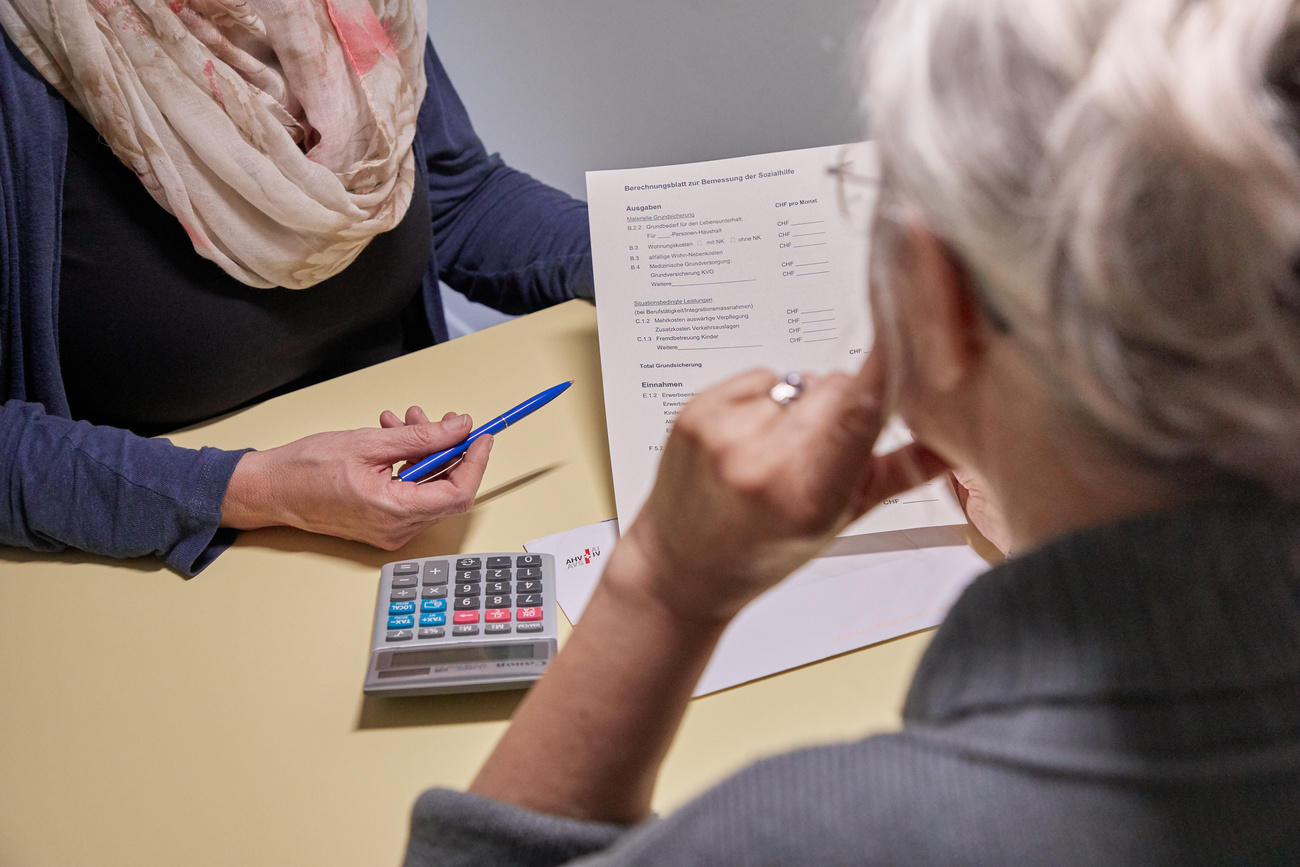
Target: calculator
(463, 623)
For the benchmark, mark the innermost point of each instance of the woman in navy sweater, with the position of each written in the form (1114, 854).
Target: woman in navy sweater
(158, 269)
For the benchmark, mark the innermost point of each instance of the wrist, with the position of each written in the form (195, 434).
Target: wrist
(640, 574)
(248, 503)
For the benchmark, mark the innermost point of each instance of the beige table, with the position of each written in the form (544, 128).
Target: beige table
(149, 720)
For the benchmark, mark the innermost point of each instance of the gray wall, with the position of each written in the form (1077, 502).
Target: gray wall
(560, 87)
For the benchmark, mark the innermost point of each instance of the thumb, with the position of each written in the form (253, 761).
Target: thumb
(897, 472)
(413, 442)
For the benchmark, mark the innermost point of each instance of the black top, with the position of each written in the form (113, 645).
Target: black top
(153, 337)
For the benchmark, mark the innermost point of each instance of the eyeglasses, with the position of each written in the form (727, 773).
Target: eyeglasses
(855, 187)
(856, 191)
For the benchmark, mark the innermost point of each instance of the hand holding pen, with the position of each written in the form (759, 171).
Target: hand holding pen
(341, 483)
(442, 461)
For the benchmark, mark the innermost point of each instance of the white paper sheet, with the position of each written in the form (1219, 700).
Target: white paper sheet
(866, 589)
(707, 269)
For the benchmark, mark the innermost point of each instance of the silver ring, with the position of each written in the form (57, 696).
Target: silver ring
(789, 388)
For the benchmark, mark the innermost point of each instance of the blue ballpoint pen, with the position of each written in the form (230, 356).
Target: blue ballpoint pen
(434, 462)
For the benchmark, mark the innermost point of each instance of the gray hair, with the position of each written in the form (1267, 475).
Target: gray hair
(1122, 179)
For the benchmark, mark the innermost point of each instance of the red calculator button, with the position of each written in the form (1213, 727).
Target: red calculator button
(465, 617)
(497, 615)
(525, 614)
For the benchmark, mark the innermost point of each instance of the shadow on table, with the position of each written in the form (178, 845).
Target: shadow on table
(438, 710)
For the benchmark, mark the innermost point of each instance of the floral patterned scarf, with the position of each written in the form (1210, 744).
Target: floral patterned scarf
(277, 131)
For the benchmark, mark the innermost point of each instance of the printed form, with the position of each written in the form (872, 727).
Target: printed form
(707, 269)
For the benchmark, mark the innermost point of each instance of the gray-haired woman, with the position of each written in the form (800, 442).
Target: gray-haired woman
(1085, 282)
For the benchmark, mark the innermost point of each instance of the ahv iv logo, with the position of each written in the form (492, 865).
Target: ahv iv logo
(583, 559)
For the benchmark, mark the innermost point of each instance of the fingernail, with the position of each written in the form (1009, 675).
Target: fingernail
(462, 419)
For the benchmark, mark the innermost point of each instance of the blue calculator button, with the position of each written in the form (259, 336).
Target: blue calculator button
(433, 619)
(430, 605)
(401, 608)
(404, 622)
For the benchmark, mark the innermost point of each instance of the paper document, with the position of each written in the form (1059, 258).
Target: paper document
(708, 269)
(863, 590)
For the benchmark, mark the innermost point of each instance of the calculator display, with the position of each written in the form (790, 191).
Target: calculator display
(450, 655)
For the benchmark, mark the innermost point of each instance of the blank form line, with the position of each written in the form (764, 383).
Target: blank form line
(808, 223)
(812, 264)
(819, 321)
(715, 283)
(820, 330)
(821, 340)
(815, 312)
(703, 348)
(915, 502)
(812, 273)
(818, 244)
(807, 234)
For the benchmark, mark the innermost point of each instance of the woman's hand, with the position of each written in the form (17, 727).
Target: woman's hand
(981, 509)
(748, 490)
(341, 483)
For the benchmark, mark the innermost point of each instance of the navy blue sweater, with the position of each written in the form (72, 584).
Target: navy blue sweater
(499, 236)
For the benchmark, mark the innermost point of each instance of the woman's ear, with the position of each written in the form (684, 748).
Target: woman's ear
(941, 312)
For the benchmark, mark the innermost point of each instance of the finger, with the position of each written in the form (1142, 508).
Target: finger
(829, 432)
(417, 441)
(962, 492)
(468, 475)
(873, 376)
(742, 387)
(388, 418)
(457, 490)
(897, 472)
(415, 415)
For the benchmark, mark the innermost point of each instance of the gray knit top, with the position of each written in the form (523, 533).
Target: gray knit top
(1124, 695)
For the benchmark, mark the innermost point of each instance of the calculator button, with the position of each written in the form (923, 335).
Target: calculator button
(464, 630)
(498, 574)
(497, 628)
(430, 605)
(496, 602)
(468, 589)
(436, 572)
(529, 627)
(469, 563)
(532, 572)
(433, 592)
(465, 617)
(464, 577)
(437, 632)
(530, 599)
(404, 593)
(467, 603)
(528, 586)
(528, 560)
(496, 615)
(493, 588)
(524, 614)
(406, 569)
(398, 635)
(401, 607)
(405, 621)
(498, 562)
(404, 581)
(433, 619)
